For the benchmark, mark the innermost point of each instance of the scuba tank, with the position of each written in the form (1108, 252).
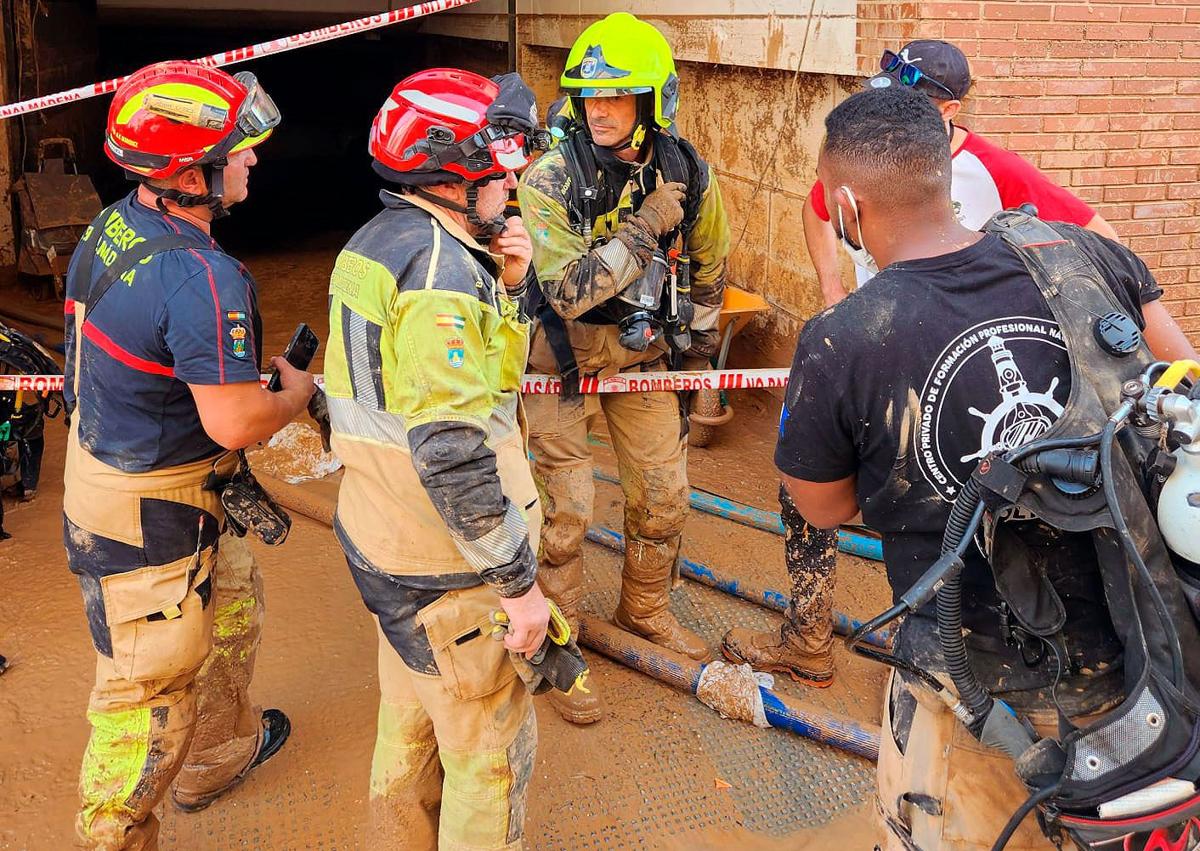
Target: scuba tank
(1179, 499)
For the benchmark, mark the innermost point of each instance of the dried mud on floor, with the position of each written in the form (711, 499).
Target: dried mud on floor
(661, 771)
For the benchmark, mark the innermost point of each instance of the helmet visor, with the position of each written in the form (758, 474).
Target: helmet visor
(611, 92)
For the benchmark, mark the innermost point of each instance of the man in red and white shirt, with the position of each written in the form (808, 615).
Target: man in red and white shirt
(985, 179)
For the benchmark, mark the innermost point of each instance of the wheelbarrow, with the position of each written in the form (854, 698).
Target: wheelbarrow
(709, 410)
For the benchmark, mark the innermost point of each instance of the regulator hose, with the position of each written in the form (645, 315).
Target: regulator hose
(965, 517)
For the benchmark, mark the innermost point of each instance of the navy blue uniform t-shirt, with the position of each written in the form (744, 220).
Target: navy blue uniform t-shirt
(187, 316)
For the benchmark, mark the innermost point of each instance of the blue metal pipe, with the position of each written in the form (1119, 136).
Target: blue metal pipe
(849, 541)
(681, 673)
(752, 592)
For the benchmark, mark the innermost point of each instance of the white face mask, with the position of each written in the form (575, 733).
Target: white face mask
(859, 253)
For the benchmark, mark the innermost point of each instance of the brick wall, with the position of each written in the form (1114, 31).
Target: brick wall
(1104, 96)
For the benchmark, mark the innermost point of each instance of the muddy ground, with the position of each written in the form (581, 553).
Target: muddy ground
(659, 771)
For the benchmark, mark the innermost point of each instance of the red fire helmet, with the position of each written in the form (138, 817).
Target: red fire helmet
(445, 124)
(174, 114)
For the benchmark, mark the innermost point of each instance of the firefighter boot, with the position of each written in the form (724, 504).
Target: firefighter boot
(643, 610)
(806, 655)
(564, 585)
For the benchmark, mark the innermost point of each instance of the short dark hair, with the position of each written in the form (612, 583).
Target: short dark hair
(893, 141)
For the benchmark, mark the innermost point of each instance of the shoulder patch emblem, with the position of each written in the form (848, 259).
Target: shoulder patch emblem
(238, 335)
(455, 352)
(235, 315)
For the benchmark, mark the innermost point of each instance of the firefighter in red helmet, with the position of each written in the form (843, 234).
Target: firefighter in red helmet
(164, 354)
(438, 513)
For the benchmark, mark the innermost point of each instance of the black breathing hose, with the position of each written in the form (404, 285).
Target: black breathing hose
(964, 519)
(1024, 810)
(1131, 550)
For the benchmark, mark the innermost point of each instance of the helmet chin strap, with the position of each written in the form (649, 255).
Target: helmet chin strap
(487, 227)
(214, 177)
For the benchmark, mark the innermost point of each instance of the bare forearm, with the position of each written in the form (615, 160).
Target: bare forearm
(240, 415)
(822, 244)
(1102, 227)
(1164, 337)
(275, 411)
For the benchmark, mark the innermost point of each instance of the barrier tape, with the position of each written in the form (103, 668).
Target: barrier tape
(629, 382)
(243, 54)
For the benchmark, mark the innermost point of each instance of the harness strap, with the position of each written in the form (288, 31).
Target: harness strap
(560, 346)
(1049, 257)
(88, 298)
(131, 258)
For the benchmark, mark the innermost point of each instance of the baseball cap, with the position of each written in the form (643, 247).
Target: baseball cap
(941, 62)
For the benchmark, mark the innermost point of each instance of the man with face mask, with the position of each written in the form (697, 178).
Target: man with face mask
(630, 238)
(894, 396)
(984, 179)
(438, 513)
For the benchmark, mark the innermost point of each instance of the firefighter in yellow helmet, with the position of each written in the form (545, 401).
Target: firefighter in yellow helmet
(629, 244)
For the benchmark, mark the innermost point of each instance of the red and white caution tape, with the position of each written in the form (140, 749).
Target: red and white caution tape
(242, 54)
(625, 382)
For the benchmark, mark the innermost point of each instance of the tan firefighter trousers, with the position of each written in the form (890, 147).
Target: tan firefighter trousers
(175, 645)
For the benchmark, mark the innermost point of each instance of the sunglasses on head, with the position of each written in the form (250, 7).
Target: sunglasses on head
(909, 74)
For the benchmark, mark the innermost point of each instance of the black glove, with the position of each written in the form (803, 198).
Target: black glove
(515, 107)
(318, 409)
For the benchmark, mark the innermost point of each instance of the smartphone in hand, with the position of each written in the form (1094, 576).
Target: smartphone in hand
(299, 353)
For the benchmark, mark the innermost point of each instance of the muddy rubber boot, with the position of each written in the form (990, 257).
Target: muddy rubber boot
(276, 729)
(564, 585)
(805, 656)
(643, 609)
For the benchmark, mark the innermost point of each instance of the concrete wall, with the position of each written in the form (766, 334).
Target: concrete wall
(816, 36)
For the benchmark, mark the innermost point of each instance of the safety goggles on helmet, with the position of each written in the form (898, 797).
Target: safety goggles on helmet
(505, 142)
(256, 117)
(908, 74)
(492, 147)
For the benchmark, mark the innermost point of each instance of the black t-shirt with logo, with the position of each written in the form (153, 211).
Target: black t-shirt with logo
(913, 378)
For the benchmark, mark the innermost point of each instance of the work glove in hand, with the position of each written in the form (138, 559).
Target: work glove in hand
(318, 409)
(662, 209)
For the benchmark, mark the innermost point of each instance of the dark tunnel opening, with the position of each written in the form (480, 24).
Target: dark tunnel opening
(314, 176)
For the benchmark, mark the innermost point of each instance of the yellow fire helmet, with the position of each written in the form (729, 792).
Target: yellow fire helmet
(621, 55)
